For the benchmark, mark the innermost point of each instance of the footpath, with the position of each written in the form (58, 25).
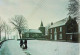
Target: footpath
(11, 47)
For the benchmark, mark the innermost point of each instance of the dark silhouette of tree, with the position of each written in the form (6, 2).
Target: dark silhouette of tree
(20, 24)
(73, 8)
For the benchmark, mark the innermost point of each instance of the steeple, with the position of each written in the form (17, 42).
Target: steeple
(41, 24)
(69, 17)
(42, 28)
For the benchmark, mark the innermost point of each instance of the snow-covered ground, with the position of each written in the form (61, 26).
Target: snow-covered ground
(11, 47)
(38, 47)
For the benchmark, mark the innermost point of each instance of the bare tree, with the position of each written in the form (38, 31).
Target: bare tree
(20, 24)
(73, 8)
(6, 29)
(46, 29)
(1, 27)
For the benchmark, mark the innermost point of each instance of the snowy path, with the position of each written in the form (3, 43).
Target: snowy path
(11, 47)
(37, 47)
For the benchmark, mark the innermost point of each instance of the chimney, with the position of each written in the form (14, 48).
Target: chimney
(51, 23)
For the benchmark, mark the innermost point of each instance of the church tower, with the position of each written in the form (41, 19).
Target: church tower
(41, 24)
(42, 28)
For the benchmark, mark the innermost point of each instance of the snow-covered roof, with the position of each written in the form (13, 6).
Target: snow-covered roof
(59, 23)
(25, 31)
(34, 31)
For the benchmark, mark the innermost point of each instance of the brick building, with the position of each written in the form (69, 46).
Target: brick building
(64, 30)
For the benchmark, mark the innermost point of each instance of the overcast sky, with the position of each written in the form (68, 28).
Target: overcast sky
(35, 10)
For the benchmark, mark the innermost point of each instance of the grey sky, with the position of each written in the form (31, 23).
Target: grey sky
(35, 10)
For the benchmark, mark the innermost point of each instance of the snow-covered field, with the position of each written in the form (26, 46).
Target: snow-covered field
(38, 47)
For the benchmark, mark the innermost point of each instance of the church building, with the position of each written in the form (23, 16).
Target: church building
(42, 28)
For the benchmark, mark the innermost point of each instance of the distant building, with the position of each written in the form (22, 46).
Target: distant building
(42, 28)
(32, 33)
(35, 33)
(25, 34)
(64, 30)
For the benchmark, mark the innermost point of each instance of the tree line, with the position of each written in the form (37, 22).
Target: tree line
(18, 21)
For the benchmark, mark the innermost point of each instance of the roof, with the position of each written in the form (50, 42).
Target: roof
(25, 31)
(34, 31)
(59, 23)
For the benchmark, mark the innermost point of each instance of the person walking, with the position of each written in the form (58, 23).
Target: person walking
(21, 43)
(25, 43)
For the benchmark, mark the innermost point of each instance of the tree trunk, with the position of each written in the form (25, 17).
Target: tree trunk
(0, 34)
(19, 33)
(5, 34)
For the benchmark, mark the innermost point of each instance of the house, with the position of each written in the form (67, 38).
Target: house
(64, 30)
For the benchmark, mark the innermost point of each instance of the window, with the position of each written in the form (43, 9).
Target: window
(50, 36)
(60, 37)
(50, 30)
(27, 35)
(60, 29)
(71, 37)
(55, 30)
(55, 36)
